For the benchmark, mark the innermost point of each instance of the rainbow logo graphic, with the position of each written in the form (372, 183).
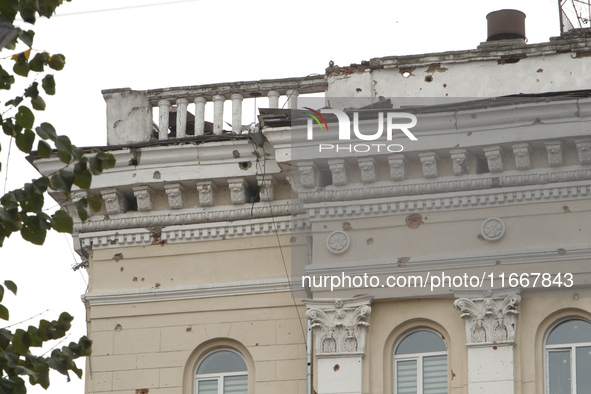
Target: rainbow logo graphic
(315, 115)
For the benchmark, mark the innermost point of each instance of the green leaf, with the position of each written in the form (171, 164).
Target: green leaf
(25, 117)
(43, 149)
(3, 312)
(58, 183)
(95, 202)
(1, 292)
(21, 342)
(33, 234)
(83, 180)
(46, 131)
(33, 90)
(81, 208)
(27, 13)
(62, 222)
(21, 67)
(10, 285)
(38, 103)
(39, 61)
(15, 101)
(57, 62)
(48, 83)
(24, 141)
(6, 79)
(27, 37)
(8, 9)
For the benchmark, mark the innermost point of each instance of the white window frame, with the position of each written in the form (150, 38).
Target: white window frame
(419, 358)
(571, 347)
(219, 376)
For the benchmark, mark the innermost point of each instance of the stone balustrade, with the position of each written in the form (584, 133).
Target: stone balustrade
(182, 110)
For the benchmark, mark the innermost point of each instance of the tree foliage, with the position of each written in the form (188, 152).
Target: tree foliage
(21, 210)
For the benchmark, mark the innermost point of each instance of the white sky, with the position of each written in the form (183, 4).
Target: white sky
(194, 42)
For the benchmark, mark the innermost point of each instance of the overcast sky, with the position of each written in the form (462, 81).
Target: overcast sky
(155, 44)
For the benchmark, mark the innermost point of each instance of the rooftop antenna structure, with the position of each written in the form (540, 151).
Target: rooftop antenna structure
(578, 11)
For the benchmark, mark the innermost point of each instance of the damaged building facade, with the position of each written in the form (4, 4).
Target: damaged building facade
(197, 257)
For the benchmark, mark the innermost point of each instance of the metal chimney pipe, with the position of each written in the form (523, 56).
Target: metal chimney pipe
(506, 25)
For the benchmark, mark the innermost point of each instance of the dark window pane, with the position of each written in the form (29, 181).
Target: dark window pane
(421, 342)
(559, 372)
(221, 362)
(584, 370)
(571, 331)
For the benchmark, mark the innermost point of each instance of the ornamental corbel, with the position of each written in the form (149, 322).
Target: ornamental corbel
(367, 166)
(522, 152)
(338, 169)
(238, 191)
(144, 196)
(459, 159)
(554, 150)
(397, 164)
(115, 201)
(176, 195)
(584, 149)
(494, 158)
(429, 163)
(308, 174)
(206, 190)
(266, 187)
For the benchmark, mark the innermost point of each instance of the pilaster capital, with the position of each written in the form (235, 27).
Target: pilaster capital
(340, 326)
(489, 320)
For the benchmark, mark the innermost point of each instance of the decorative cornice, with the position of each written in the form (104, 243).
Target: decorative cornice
(453, 261)
(447, 185)
(187, 216)
(340, 326)
(186, 292)
(489, 321)
(193, 233)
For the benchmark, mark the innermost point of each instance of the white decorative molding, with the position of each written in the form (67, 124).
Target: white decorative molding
(206, 290)
(493, 229)
(489, 321)
(176, 195)
(308, 174)
(367, 166)
(429, 163)
(238, 191)
(193, 233)
(554, 150)
(187, 216)
(340, 326)
(522, 152)
(449, 185)
(338, 242)
(494, 158)
(206, 190)
(338, 169)
(397, 164)
(266, 187)
(584, 149)
(459, 159)
(115, 201)
(145, 198)
(547, 254)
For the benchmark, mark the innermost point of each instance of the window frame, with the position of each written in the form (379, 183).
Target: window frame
(419, 357)
(571, 347)
(221, 375)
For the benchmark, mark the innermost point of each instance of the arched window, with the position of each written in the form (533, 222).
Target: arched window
(420, 364)
(222, 372)
(568, 358)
